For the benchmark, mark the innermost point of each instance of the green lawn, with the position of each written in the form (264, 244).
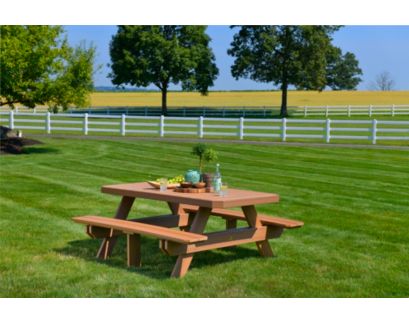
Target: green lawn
(354, 202)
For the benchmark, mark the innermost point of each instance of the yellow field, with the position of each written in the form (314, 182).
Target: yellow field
(295, 98)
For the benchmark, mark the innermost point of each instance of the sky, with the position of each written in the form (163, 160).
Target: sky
(377, 48)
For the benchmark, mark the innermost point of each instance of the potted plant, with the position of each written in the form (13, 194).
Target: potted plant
(205, 155)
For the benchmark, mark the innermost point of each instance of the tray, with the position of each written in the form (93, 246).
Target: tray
(156, 185)
(193, 190)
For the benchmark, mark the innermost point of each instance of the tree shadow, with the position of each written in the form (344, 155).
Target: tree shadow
(155, 264)
(39, 150)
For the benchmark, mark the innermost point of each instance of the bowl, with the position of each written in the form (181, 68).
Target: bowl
(185, 184)
(200, 184)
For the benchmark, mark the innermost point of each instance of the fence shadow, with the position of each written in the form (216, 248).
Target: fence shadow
(155, 264)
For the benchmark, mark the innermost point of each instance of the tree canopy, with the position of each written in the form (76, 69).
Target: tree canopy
(38, 67)
(302, 56)
(161, 55)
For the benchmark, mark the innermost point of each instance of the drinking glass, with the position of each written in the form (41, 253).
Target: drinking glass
(223, 189)
(163, 184)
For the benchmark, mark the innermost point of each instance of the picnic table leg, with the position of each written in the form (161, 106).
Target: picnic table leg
(133, 250)
(177, 209)
(231, 223)
(105, 250)
(263, 246)
(198, 225)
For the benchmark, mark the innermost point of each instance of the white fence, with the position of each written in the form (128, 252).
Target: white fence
(201, 127)
(248, 111)
(350, 110)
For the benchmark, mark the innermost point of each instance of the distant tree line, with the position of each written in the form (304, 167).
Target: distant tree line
(39, 67)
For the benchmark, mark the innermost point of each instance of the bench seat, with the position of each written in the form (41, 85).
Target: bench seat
(266, 220)
(131, 227)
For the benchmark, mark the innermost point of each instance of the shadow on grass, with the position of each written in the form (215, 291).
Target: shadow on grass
(39, 150)
(155, 264)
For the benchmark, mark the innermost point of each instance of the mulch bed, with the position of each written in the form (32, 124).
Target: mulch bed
(13, 144)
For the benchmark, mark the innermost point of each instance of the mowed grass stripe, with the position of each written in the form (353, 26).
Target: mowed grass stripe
(352, 244)
(300, 165)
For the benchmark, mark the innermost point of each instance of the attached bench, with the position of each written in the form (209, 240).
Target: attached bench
(232, 216)
(107, 227)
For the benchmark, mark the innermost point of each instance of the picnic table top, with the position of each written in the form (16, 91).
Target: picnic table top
(234, 198)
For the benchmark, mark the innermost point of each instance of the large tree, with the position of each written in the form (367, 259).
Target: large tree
(302, 56)
(38, 67)
(161, 55)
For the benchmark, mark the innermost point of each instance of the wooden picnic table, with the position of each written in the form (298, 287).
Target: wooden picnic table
(190, 212)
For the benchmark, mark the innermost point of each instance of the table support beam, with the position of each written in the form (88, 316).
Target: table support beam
(223, 239)
(263, 246)
(198, 225)
(122, 212)
(133, 250)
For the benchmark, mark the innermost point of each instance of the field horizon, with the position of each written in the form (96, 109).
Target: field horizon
(249, 98)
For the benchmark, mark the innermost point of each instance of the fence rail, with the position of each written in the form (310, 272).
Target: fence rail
(246, 112)
(283, 129)
(350, 110)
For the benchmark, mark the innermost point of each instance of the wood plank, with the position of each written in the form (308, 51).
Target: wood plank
(264, 248)
(253, 220)
(235, 197)
(235, 214)
(133, 250)
(217, 240)
(101, 232)
(169, 221)
(250, 214)
(231, 223)
(182, 265)
(198, 225)
(140, 228)
(176, 208)
(200, 220)
(107, 245)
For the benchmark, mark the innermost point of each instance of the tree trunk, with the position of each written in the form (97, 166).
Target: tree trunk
(283, 111)
(164, 100)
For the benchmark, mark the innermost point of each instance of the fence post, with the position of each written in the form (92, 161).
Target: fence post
(284, 129)
(17, 109)
(326, 111)
(11, 120)
(374, 129)
(305, 111)
(200, 127)
(349, 110)
(48, 122)
(35, 110)
(86, 124)
(327, 130)
(393, 110)
(264, 111)
(184, 111)
(241, 128)
(370, 111)
(123, 124)
(162, 126)
(146, 111)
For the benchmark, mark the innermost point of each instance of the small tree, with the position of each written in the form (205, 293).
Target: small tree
(205, 154)
(161, 55)
(383, 82)
(37, 66)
